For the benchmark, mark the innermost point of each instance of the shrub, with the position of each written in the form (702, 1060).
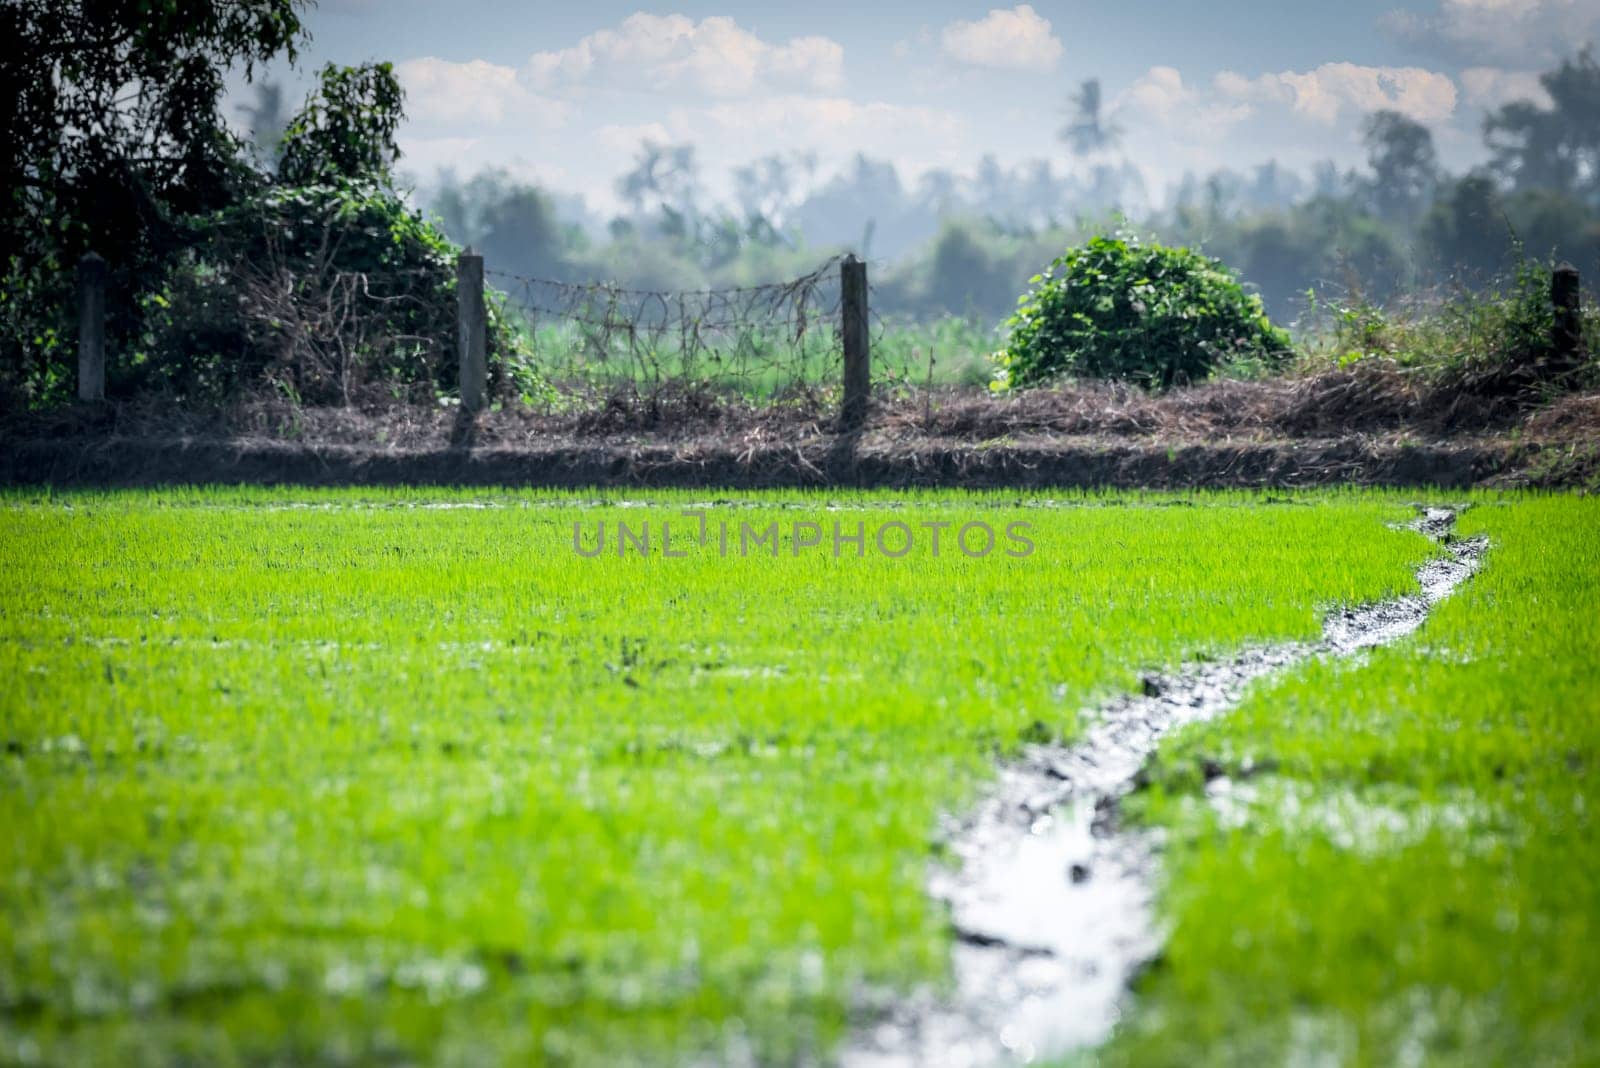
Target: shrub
(1149, 314)
(1494, 343)
(327, 291)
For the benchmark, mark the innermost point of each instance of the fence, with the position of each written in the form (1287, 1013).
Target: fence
(809, 334)
(810, 331)
(765, 340)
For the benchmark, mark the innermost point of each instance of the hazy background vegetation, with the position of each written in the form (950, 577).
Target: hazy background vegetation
(966, 245)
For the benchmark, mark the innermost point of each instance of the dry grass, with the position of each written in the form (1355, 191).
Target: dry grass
(1374, 397)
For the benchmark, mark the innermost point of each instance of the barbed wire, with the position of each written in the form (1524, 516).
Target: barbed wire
(755, 339)
(766, 340)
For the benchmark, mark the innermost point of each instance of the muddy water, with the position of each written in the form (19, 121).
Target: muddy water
(1052, 901)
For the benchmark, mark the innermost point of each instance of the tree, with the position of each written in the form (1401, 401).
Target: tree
(266, 122)
(768, 189)
(664, 177)
(1405, 167)
(866, 204)
(115, 120)
(1466, 228)
(1088, 132)
(940, 189)
(346, 128)
(1328, 181)
(514, 225)
(1274, 187)
(1556, 147)
(113, 134)
(963, 278)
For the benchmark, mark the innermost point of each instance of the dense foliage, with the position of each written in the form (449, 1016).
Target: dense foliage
(1153, 315)
(347, 127)
(291, 263)
(317, 289)
(113, 137)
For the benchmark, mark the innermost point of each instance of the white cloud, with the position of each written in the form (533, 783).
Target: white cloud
(1334, 94)
(1298, 118)
(630, 135)
(1158, 94)
(472, 95)
(665, 53)
(1162, 98)
(1490, 87)
(426, 157)
(837, 128)
(1516, 33)
(666, 78)
(1017, 38)
(1336, 90)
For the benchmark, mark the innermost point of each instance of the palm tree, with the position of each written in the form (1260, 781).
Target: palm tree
(266, 120)
(1088, 132)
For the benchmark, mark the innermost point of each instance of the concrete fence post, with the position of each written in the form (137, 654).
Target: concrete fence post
(1567, 334)
(91, 328)
(472, 331)
(857, 340)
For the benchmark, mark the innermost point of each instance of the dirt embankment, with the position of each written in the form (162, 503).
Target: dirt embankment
(1069, 462)
(1364, 428)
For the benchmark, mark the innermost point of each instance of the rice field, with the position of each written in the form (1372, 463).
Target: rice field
(447, 777)
(1395, 859)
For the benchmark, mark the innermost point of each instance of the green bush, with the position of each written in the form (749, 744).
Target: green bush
(327, 291)
(1156, 316)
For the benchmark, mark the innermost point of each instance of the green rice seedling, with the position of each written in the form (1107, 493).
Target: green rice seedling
(1393, 860)
(345, 776)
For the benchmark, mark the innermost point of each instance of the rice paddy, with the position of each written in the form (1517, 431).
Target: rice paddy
(434, 776)
(1394, 860)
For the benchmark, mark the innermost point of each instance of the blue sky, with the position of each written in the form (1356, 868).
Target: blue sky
(563, 93)
(1269, 34)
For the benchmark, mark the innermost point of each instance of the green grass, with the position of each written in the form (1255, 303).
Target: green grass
(1484, 341)
(950, 351)
(1407, 870)
(333, 777)
(754, 364)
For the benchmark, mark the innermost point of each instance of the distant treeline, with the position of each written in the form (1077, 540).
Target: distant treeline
(967, 245)
(287, 260)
